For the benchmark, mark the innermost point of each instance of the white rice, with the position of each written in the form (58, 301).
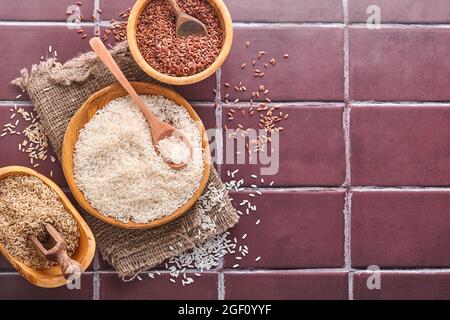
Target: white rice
(173, 150)
(118, 170)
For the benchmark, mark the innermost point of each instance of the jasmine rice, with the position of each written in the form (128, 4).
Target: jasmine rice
(118, 170)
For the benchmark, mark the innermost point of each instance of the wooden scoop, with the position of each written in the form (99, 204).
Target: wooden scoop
(160, 129)
(185, 24)
(54, 248)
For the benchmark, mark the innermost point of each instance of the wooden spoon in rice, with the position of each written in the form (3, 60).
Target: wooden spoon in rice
(186, 25)
(54, 249)
(160, 130)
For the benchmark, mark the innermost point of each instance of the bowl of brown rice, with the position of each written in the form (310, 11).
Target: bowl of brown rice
(112, 167)
(179, 60)
(29, 200)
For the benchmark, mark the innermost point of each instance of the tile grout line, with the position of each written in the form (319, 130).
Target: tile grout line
(287, 24)
(219, 122)
(96, 264)
(294, 104)
(220, 286)
(363, 25)
(347, 241)
(45, 23)
(290, 104)
(347, 109)
(356, 271)
(355, 103)
(219, 158)
(347, 23)
(410, 270)
(400, 189)
(97, 16)
(96, 277)
(347, 144)
(334, 189)
(348, 176)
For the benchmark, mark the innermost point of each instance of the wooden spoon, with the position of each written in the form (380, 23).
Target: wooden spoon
(185, 24)
(159, 129)
(54, 249)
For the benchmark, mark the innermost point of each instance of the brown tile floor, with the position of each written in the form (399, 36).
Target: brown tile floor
(363, 176)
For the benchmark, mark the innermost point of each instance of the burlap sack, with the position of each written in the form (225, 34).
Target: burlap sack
(57, 91)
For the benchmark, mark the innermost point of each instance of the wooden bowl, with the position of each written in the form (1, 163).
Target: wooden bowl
(52, 277)
(96, 102)
(227, 28)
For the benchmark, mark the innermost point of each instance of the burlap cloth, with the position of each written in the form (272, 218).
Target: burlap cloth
(57, 91)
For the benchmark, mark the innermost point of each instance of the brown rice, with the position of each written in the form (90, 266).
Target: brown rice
(178, 56)
(26, 205)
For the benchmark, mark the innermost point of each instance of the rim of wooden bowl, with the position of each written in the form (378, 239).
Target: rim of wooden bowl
(52, 278)
(96, 102)
(227, 28)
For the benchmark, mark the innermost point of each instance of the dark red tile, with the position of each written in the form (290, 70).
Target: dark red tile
(400, 228)
(285, 10)
(104, 265)
(297, 229)
(112, 8)
(25, 45)
(314, 70)
(286, 286)
(258, 11)
(14, 287)
(5, 265)
(311, 148)
(159, 288)
(395, 64)
(207, 113)
(42, 10)
(400, 145)
(201, 91)
(11, 156)
(410, 11)
(404, 286)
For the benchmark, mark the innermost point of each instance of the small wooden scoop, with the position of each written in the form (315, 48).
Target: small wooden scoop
(160, 130)
(185, 24)
(54, 248)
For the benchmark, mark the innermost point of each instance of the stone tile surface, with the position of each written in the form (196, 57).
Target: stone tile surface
(403, 11)
(295, 230)
(314, 70)
(25, 45)
(399, 64)
(310, 151)
(400, 229)
(159, 288)
(404, 286)
(286, 286)
(407, 145)
(42, 10)
(276, 11)
(14, 287)
(9, 148)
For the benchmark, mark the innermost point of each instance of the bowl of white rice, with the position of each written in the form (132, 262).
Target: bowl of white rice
(113, 169)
